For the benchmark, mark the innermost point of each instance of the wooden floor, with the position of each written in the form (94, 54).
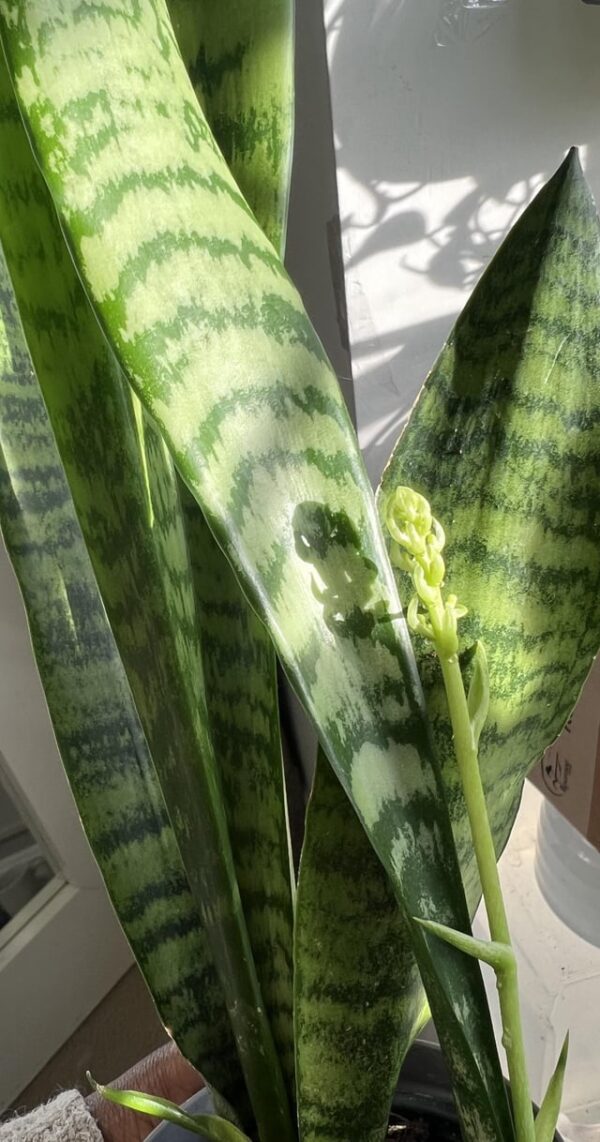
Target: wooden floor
(121, 1030)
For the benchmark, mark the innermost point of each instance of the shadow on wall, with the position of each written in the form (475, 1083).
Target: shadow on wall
(438, 151)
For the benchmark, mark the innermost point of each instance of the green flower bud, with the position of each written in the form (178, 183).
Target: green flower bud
(408, 518)
(417, 620)
(459, 610)
(427, 592)
(435, 570)
(438, 535)
(400, 558)
(418, 542)
(447, 630)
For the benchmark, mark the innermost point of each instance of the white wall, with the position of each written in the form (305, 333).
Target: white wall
(438, 149)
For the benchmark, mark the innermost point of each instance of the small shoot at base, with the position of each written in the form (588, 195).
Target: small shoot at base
(208, 1126)
(547, 1116)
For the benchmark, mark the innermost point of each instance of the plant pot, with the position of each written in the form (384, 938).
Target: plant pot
(423, 1092)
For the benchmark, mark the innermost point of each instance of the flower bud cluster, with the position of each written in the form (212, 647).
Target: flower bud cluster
(418, 540)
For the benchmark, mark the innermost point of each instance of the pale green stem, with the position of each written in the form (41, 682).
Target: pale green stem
(483, 844)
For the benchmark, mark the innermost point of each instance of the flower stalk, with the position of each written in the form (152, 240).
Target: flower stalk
(418, 540)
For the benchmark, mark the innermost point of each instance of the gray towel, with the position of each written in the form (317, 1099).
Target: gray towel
(65, 1119)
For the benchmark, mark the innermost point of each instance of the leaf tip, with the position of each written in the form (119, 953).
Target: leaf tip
(570, 170)
(97, 1087)
(572, 160)
(568, 177)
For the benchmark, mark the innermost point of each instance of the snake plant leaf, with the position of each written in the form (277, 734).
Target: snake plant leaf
(214, 340)
(209, 1126)
(504, 442)
(358, 998)
(100, 738)
(240, 674)
(547, 1116)
(127, 498)
(245, 123)
(240, 58)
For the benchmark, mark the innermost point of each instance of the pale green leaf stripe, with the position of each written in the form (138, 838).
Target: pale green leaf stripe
(127, 499)
(240, 58)
(358, 997)
(505, 443)
(98, 732)
(215, 340)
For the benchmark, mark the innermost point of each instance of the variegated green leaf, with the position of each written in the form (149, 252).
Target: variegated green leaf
(240, 58)
(358, 999)
(215, 341)
(505, 443)
(240, 61)
(241, 688)
(331, 1067)
(101, 741)
(127, 498)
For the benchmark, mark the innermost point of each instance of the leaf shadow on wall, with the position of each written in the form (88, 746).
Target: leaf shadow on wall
(481, 124)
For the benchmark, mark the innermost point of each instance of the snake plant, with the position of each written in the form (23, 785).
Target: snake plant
(184, 502)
